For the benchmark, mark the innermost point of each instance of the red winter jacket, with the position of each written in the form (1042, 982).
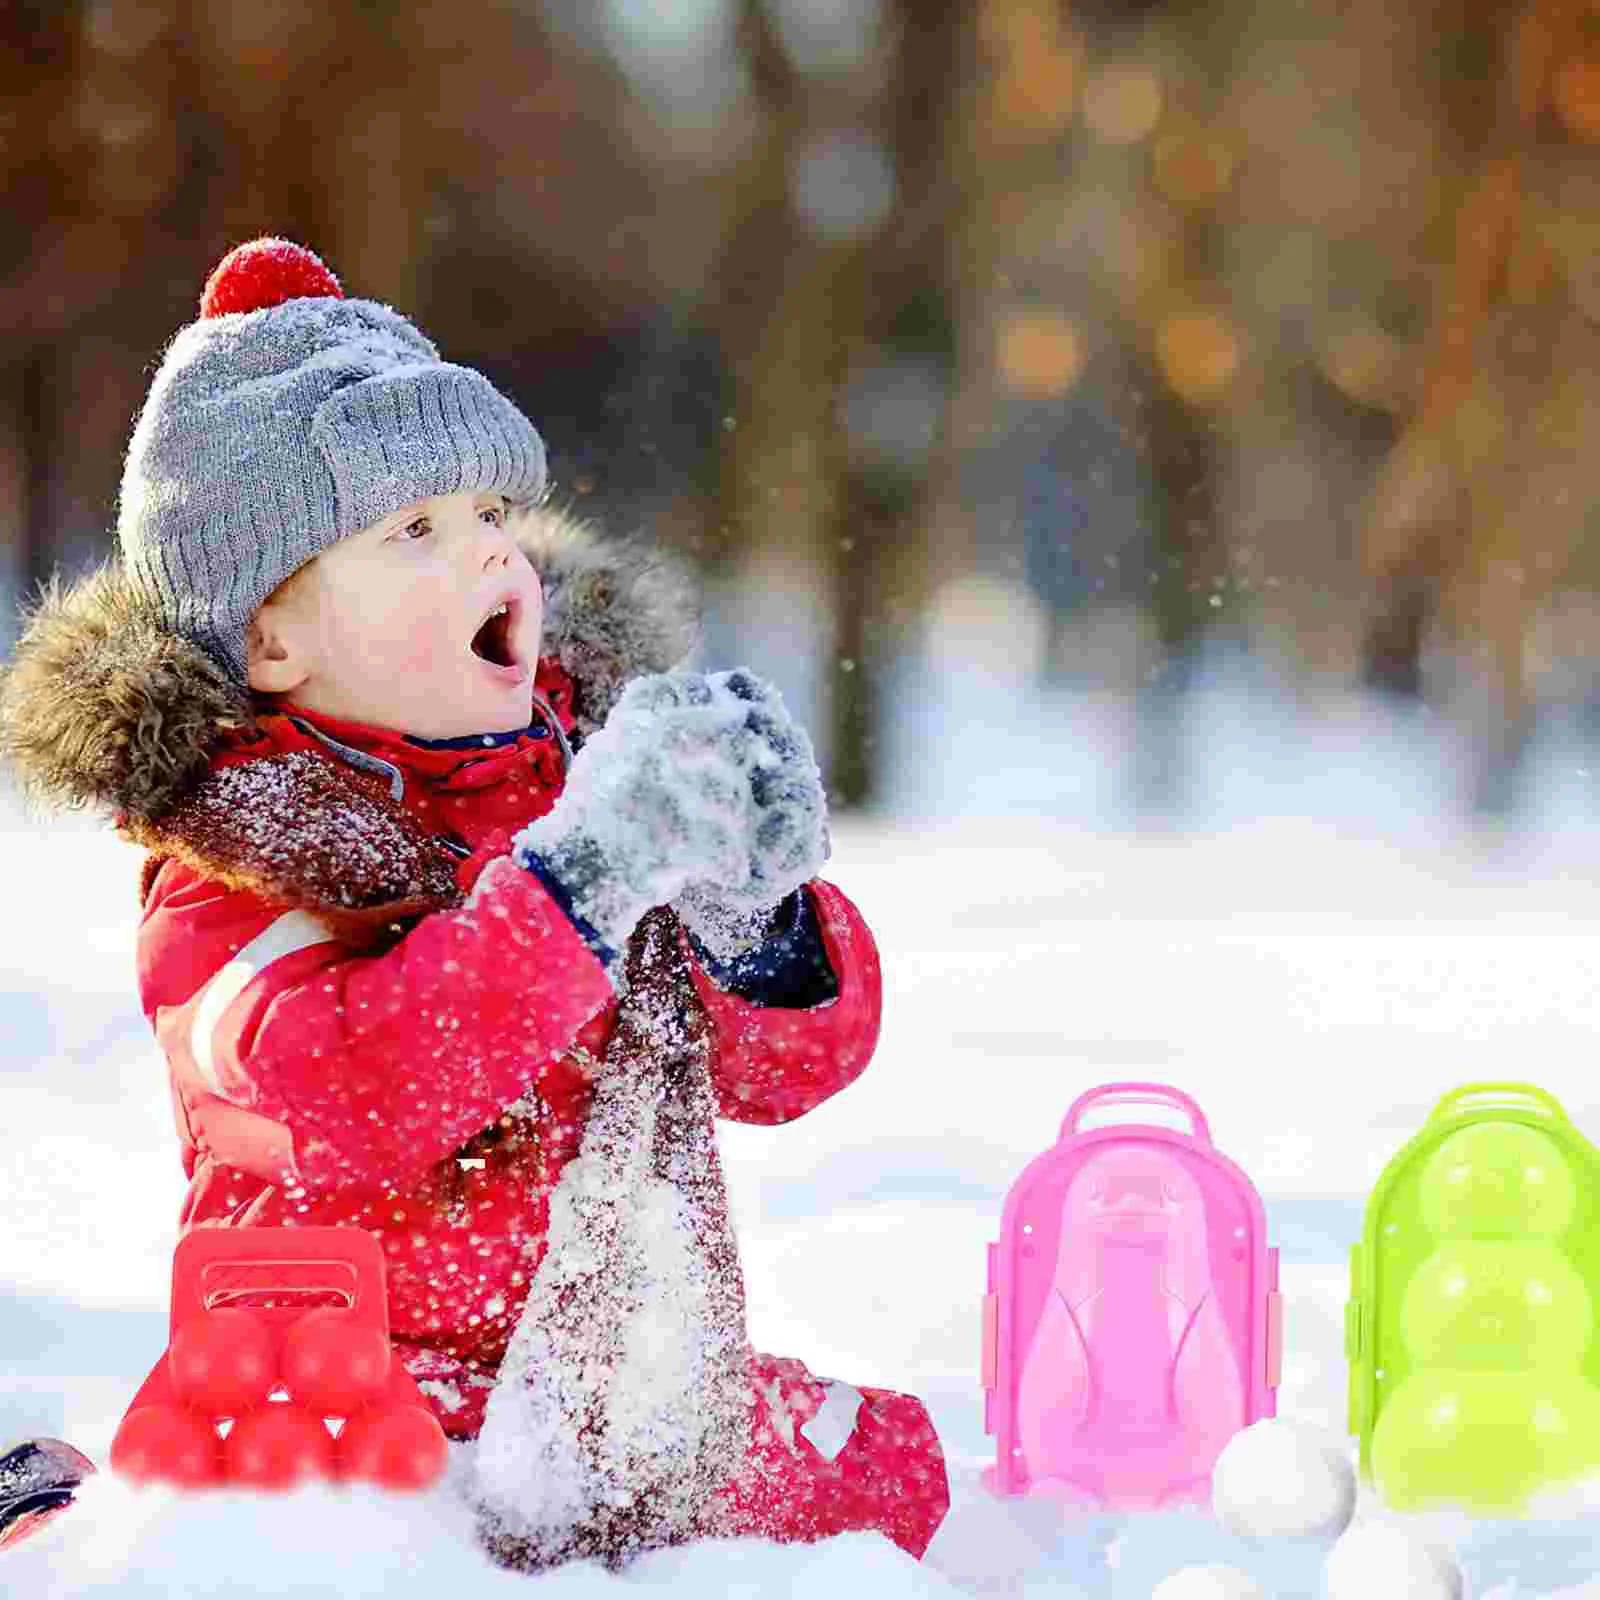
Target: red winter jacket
(432, 1093)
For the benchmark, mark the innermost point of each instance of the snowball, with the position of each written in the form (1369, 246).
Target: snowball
(1208, 1583)
(1380, 1561)
(1277, 1480)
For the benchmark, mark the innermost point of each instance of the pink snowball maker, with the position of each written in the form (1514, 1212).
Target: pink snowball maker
(1133, 1324)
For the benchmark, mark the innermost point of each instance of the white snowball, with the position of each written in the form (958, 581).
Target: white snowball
(1277, 1480)
(1380, 1561)
(1208, 1583)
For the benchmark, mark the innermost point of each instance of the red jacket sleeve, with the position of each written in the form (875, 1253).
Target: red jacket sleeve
(372, 1067)
(773, 1064)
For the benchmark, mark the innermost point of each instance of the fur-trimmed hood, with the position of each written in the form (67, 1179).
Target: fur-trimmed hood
(103, 707)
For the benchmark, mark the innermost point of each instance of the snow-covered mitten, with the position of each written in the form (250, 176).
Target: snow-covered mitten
(788, 842)
(662, 794)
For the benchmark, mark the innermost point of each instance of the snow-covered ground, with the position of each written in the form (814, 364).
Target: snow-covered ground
(1316, 985)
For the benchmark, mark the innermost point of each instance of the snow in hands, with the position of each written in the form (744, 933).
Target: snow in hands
(790, 840)
(693, 780)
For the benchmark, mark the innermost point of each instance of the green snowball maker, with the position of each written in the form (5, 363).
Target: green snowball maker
(1470, 1329)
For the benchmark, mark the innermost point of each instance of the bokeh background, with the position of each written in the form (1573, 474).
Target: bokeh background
(1088, 408)
(1152, 443)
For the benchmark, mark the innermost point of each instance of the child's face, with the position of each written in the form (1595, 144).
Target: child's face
(383, 626)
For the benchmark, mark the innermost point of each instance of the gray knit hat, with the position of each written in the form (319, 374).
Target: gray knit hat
(285, 419)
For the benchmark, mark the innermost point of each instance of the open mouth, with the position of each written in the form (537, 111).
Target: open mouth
(493, 640)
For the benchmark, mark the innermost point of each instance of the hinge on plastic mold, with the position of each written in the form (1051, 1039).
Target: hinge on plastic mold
(1352, 1330)
(1355, 1395)
(991, 1340)
(1274, 1338)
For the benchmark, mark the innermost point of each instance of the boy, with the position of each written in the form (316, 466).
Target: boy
(330, 687)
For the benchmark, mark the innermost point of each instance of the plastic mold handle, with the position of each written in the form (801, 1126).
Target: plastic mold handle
(1494, 1093)
(1160, 1094)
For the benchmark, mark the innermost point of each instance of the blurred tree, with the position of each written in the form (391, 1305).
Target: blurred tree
(836, 235)
(1089, 303)
(1281, 320)
(87, 156)
(1485, 501)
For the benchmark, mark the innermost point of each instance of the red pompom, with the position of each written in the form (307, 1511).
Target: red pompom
(263, 273)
